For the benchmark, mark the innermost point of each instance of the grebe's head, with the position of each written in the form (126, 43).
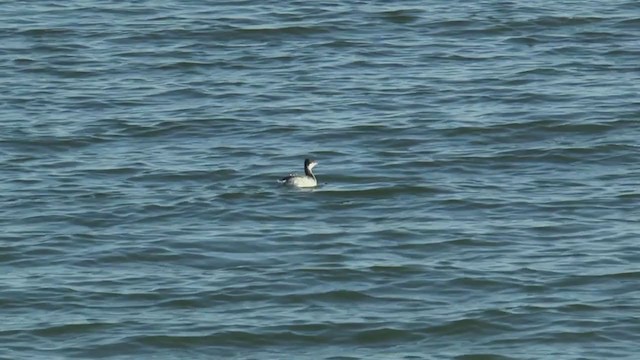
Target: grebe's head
(310, 164)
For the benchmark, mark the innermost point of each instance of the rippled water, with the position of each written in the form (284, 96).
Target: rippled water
(478, 161)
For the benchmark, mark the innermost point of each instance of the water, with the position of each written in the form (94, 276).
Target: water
(479, 164)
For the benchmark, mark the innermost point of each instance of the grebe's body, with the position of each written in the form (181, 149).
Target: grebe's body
(306, 181)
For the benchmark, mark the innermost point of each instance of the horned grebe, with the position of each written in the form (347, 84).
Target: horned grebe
(308, 180)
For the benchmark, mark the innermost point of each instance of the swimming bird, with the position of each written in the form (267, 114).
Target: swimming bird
(308, 180)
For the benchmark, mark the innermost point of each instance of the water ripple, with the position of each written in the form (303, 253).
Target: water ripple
(477, 167)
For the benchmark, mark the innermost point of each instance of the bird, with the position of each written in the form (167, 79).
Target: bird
(306, 181)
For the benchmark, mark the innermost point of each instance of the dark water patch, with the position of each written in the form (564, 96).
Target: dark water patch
(124, 170)
(57, 143)
(73, 329)
(182, 304)
(400, 16)
(228, 338)
(456, 244)
(48, 32)
(357, 131)
(181, 94)
(546, 127)
(9, 254)
(453, 25)
(217, 298)
(555, 22)
(633, 22)
(42, 252)
(196, 126)
(139, 255)
(344, 43)
(528, 40)
(486, 356)
(623, 276)
(543, 72)
(494, 284)
(335, 296)
(185, 65)
(276, 32)
(381, 336)
(629, 196)
(466, 326)
(622, 53)
(584, 337)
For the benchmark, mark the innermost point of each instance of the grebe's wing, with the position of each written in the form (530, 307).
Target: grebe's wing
(287, 178)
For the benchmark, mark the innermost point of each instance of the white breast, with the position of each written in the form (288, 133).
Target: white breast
(302, 181)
